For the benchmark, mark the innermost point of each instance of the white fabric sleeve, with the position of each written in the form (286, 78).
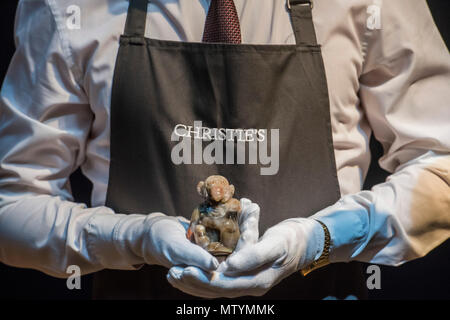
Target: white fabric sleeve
(404, 89)
(45, 120)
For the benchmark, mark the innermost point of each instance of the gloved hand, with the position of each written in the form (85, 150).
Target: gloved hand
(161, 239)
(285, 248)
(167, 244)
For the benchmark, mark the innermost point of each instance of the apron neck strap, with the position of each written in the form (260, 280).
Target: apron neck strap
(136, 18)
(300, 11)
(302, 21)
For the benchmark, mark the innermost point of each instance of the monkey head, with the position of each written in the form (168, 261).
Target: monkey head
(216, 188)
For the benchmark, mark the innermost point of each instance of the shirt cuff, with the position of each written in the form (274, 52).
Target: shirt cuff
(112, 237)
(347, 222)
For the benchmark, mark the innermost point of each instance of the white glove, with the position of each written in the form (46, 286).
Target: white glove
(161, 239)
(285, 248)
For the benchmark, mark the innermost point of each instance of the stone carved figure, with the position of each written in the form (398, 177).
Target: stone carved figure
(215, 222)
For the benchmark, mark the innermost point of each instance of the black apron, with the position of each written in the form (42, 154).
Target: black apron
(256, 114)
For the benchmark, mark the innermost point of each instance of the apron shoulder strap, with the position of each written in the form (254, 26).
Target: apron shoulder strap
(302, 21)
(300, 10)
(136, 18)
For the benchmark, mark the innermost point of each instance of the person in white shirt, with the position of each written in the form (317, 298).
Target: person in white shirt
(387, 72)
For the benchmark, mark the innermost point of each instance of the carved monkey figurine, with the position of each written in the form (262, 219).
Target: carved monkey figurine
(214, 223)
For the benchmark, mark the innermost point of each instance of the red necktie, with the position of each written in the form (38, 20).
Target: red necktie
(222, 23)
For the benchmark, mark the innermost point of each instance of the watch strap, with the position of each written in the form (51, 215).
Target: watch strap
(324, 257)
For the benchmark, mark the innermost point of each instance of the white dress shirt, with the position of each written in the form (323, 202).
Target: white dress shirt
(388, 73)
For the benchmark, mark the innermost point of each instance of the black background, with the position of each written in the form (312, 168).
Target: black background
(425, 278)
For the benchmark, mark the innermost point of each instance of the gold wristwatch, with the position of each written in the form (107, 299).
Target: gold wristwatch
(324, 257)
